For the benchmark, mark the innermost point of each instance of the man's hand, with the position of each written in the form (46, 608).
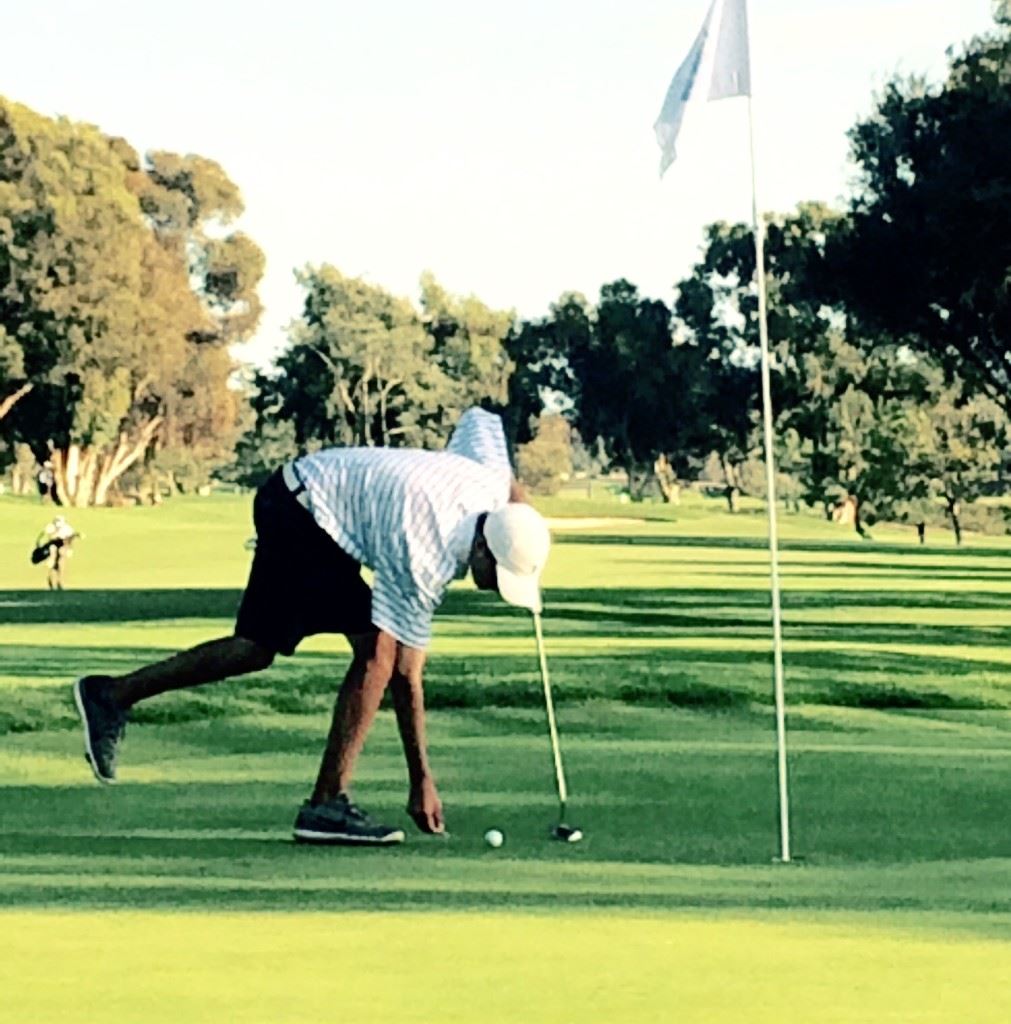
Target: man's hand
(425, 807)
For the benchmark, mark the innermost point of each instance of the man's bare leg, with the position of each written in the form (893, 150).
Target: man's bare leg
(207, 663)
(103, 701)
(330, 816)
(359, 698)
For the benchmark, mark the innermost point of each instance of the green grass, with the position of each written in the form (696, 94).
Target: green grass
(667, 613)
(491, 967)
(177, 895)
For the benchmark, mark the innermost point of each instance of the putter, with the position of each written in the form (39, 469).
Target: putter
(562, 832)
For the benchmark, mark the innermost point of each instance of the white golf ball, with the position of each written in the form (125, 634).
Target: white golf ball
(494, 838)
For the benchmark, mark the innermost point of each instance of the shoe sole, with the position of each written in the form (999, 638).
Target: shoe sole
(305, 835)
(88, 753)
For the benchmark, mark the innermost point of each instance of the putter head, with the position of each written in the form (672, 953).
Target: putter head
(566, 834)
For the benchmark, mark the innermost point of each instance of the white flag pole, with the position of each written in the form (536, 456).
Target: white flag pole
(770, 480)
(725, 63)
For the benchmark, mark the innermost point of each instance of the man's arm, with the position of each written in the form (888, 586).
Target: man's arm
(479, 436)
(406, 685)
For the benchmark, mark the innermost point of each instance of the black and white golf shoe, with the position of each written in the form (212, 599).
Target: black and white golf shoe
(338, 822)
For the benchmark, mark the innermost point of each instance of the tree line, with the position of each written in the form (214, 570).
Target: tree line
(121, 292)
(890, 321)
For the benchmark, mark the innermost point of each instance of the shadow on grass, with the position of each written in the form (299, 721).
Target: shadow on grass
(342, 895)
(761, 544)
(33, 606)
(726, 664)
(704, 680)
(653, 607)
(843, 571)
(227, 845)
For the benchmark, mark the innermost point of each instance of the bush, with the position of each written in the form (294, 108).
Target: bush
(994, 520)
(546, 462)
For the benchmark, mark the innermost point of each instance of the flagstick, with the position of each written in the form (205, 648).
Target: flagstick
(730, 75)
(770, 480)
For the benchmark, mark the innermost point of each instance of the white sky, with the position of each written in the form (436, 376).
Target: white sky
(507, 147)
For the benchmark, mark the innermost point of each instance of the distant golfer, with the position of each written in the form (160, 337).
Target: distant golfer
(45, 481)
(418, 519)
(54, 546)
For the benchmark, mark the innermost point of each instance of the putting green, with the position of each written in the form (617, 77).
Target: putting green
(487, 968)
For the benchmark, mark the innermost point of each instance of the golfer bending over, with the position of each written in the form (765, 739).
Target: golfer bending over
(418, 519)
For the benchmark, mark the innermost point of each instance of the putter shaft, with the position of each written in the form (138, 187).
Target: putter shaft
(556, 751)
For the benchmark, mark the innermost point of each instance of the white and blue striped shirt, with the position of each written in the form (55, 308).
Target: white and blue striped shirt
(409, 515)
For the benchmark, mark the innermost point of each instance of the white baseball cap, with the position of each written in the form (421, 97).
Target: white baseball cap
(518, 538)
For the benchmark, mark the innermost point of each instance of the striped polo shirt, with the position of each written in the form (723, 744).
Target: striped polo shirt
(410, 515)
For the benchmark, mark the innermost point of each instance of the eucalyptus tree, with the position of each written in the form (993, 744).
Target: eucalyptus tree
(365, 367)
(113, 292)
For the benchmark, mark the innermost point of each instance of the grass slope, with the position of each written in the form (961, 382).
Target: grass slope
(177, 895)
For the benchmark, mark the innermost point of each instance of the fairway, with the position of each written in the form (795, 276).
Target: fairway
(178, 896)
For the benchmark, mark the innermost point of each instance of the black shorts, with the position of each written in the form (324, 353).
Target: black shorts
(301, 582)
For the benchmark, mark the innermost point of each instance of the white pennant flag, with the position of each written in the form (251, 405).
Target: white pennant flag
(717, 67)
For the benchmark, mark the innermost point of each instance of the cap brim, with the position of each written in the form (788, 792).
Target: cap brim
(521, 591)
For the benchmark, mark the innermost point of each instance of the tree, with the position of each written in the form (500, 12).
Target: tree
(732, 384)
(963, 442)
(359, 368)
(187, 200)
(12, 373)
(73, 292)
(540, 351)
(868, 431)
(267, 444)
(927, 255)
(617, 374)
(22, 225)
(202, 422)
(108, 282)
(717, 309)
(364, 367)
(544, 463)
(469, 347)
(638, 393)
